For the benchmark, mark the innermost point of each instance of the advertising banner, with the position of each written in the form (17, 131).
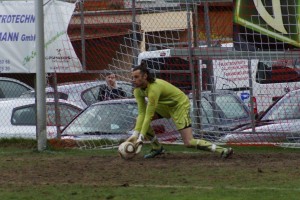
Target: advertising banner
(18, 37)
(266, 25)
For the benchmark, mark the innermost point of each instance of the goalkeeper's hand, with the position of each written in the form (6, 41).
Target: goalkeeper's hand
(137, 140)
(139, 144)
(133, 138)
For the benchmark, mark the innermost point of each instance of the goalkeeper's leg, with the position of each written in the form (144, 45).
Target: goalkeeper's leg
(157, 148)
(182, 119)
(161, 112)
(150, 136)
(189, 141)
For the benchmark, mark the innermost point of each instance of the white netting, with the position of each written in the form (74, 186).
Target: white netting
(200, 47)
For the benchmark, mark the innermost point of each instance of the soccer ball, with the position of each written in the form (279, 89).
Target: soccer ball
(126, 150)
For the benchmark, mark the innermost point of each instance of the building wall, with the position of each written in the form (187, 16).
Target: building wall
(108, 35)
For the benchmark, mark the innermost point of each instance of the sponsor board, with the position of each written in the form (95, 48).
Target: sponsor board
(18, 38)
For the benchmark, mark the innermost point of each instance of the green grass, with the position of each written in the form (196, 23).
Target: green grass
(120, 193)
(254, 173)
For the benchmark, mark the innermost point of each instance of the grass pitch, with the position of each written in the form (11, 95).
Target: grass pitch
(252, 173)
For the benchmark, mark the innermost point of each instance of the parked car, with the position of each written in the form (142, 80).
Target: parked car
(82, 93)
(11, 88)
(18, 117)
(279, 123)
(226, 113)
(115, 119)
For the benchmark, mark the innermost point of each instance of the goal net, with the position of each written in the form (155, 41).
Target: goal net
(232, 60)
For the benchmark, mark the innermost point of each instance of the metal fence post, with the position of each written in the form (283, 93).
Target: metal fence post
(135, 46)
(251, 96)
(210, 66)
(40, 77)
(56, 106)
(82, 35)
(191, 64)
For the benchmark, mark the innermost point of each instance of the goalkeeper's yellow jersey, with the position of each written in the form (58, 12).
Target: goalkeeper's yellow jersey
(161, 94)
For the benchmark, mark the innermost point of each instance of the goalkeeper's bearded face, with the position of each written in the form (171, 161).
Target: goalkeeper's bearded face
(139, 79)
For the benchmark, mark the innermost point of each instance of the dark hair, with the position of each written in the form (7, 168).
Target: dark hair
(144, 70)
(107, 73)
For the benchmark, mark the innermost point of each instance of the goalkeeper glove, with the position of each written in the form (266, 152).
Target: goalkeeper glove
(133, 138)
(137, 140)
(139, 144)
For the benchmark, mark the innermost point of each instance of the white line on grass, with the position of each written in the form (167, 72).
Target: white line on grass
(211, 188)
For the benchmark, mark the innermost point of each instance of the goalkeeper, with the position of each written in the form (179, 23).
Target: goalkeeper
(167, 101)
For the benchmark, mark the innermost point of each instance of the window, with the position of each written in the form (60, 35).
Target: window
(207, 112)
(67, 113)
(27, 115)
(24, 116)
(142, 1)
(127, 87)
(277, 72)
(231, 107)
(31, 94)
(104, 119)
(11, 89)
(90, 95)
(288, 108)
(60, 95)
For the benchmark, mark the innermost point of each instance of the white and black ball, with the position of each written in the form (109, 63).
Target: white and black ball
(126, 150)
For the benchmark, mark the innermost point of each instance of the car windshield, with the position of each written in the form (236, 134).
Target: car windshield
(227, 104)
(104, 118)
(10, 89)
(90, 95)
(231, 107)
(287, 108)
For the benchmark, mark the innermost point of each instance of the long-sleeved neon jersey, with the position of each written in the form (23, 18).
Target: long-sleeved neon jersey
(159, 92)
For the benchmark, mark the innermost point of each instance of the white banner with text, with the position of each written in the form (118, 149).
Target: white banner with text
(18, 37)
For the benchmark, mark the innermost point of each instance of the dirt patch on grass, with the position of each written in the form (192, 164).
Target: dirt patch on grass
(188, 169)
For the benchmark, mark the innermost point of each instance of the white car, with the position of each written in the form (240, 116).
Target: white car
(279, 123)
(10, 88)
(82, 93)
(18, 117)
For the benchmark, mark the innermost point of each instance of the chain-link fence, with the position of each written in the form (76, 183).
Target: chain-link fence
(233, 59)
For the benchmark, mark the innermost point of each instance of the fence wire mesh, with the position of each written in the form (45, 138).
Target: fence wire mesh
(234, 59)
